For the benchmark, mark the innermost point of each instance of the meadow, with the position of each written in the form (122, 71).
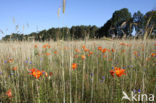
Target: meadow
(93, 71)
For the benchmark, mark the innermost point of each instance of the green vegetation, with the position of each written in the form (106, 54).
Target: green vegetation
(120, 25)
(88, 82)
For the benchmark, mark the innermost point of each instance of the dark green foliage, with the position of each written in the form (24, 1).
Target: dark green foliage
(152, 15)
(104, 30)
(120, 24)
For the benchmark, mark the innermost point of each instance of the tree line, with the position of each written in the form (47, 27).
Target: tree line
(121, 24)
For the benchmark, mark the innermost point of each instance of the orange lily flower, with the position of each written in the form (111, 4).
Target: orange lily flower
(90, 52)
(83, 46)
(112, 72)
(35, 72)
(47, 54)
(46, 46)
(104, 50)
(14, 68)
(153, 54)
(119, 72)
(76, 50)
(9, 93)
(113, 50)
(10, 60)
(55, 52)
(74, 66)
(100, 48)
(86, 50)
(50, 73)
(83, 57)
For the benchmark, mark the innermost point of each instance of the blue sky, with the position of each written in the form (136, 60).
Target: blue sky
(42, 14)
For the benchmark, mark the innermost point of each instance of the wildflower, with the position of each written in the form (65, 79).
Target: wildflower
(122, 44)
(35, 72)
(83, 57)
(46, 74)
(112, 50)
(104, 50)
(47, 54)
(74, 66)
(26, 61)
(35, 46)
(119, 72)
(32, 70)
(86, 50)
(130, 66)
(139, 90)
(9, 93)
(112, 72)
(5, 61)
(50, 73)
(10, 60)
(83, 46)
(46, 46)
(153, 54)
(108, 50)
(14, 68)
(135, 53)
(103, 77)
(90, 52)
(100, 48)
(55, 52)
(77, 50)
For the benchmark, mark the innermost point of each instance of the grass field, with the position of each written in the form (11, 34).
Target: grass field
(76, 72)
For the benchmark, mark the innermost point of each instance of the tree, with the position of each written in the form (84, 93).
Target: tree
(152, 16)
(44, 35)
(104, 30)
(93, 31)
(150, 22)
(113, 25)
(118, 18)
(138, 19)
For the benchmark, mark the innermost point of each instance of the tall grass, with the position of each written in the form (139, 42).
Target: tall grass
(90, 82)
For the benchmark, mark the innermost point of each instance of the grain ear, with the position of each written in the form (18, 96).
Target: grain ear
(64, 5)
